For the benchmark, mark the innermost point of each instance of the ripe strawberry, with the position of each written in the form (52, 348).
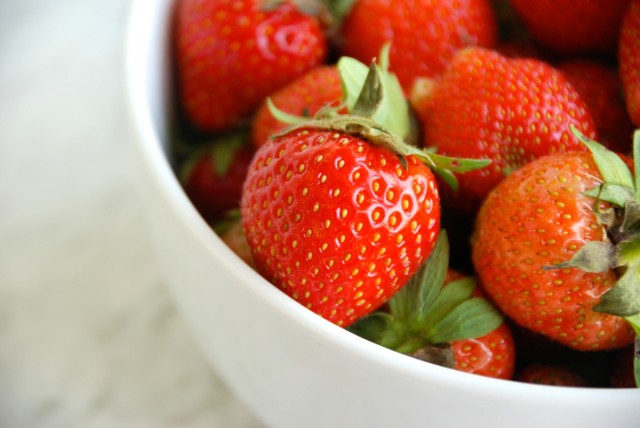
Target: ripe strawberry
(319, 88)
(491, 355)
(542, 215)
(549, 374)
(337, 223)
(213, 177)
(509, 110)
(600, 87)
(339, 213)
(574, 27)
(234, 237)
(231, 54)
(424, 34)
(629, 60)
(441, 316)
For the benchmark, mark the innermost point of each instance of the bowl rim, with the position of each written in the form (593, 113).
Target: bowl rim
(148, 141)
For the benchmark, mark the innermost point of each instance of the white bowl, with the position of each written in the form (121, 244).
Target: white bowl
(293, 368)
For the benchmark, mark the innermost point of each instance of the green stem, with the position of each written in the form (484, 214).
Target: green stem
(411, 345)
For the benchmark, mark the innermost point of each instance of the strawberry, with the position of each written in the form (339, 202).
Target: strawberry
(441, 316)
(600, 87)
(492, 354)
(629, 60)
(337, 223)
(572, 27)
(213, 176)
(234, 237)
(424, 34)
(305, 96)
(231, 54)
(509, 110)
(338, 212)
(550, 374)
(544, 247)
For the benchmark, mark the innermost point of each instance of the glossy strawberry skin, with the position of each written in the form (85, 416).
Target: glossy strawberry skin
(492, 355)
(509, 110)
(337, 223)
(424, 34)
(600, 87)
(318, 88)
(572, 27)
(629, 60)
(232, 54)
(535, 218)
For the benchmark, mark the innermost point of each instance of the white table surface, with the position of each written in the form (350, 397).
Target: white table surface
(88, 335)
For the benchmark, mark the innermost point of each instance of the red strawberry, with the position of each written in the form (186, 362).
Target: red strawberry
(441, 316)
(424, 34)
(231, 54)
(508, 110)
(542, 215)
(337, 223)
(549, 374)
(320, 87)
(629, 59)
(234, 237)
(340, 213)
(574, 26)
(491, 355)
(213, 178)
(601, 89)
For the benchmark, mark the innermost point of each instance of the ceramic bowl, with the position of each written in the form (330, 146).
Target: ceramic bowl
(293, 368)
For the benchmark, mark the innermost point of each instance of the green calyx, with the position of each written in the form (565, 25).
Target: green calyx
(378, 113)
(425, 316)
(622, 221)
(330, 13)
(621, 189)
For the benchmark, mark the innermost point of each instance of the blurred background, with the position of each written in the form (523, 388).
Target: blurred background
(88, 335)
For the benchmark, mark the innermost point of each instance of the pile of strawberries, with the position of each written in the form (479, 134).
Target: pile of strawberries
(451, 179)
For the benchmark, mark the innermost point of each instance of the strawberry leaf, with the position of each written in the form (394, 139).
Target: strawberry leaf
(284, 117)
(370, 98)
(593, 256)
(373, 327)
(224, 151)
(634, 320)
(425, 312)
(393, 112)
(339, 9)
(422, 290)
(353, 74)
(474, 317)
(616, 194)
(623, 299)
(612, 168)
(451, 296)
